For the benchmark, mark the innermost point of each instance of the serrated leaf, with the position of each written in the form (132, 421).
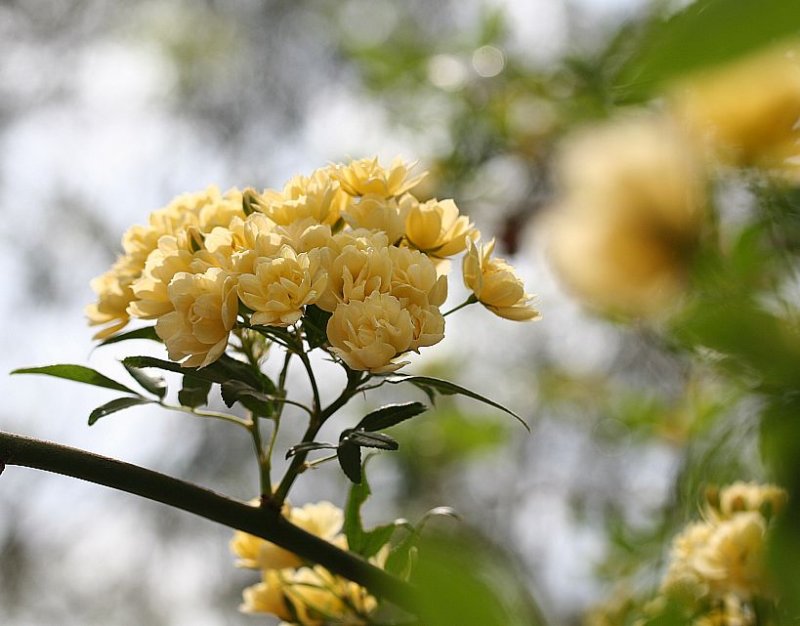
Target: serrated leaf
(115, 405)
(315, 324)
(194, 392)
(307, 446)
(366, 439)
(390, 415)
(154, 384)
(349, 457)
(445, 387)
(148, 332)
(78, 373)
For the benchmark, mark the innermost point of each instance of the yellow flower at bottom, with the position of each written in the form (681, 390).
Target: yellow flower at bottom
(495, 284)
(205, 312)
(369, 335)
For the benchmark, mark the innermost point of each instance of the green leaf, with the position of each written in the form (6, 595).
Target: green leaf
(194, 392)
(155, 385)
(445, 387)
(115, 405)
(230, 368)
(78, 373)
(349, 456)
(370, 440)
(705, 33)
(376, 538)
(237, 391)
(315, 324)
(353, 527)
(390, 415)
(148, 332)
(207, 374)
(308, 446)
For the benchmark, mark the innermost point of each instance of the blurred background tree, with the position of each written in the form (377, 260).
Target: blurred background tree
(110, 110)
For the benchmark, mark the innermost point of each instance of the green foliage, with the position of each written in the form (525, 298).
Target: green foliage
(364, 542)
(194, 392)
(77, 373)
(115, 405)
(155, 385)
(705, 33)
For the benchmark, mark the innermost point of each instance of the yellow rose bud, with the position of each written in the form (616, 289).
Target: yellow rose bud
(366, 176)
(436, 228)
(369, 335)
(205, 312)
(282, 286)
(496, 285)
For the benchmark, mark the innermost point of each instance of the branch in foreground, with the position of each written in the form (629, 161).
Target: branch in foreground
(263, 522)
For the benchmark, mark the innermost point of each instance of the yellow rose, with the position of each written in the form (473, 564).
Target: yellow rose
(436, 228)
(369, 335)
(280, 287)
(428, 325)
(205, 312)
(114, 295)
(319, 598)
(746, 111)
(267, 597)
(318, 197)
(354, 274)
(366, 176)
(495, 284)
(151, 288)
(322, 519)
(741, 496)
(415, 279)
(374, 212)
(630, 212)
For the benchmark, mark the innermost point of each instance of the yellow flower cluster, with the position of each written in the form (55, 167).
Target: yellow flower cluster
(295, 592)
(633, 190)
(719, 561)
(350, 239)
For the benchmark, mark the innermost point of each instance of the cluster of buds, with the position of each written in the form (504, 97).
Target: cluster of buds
(350, 240)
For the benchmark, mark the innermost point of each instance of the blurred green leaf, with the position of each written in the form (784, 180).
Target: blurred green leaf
(705, 33)
(78, 373)
(115, 405)
(363, 542)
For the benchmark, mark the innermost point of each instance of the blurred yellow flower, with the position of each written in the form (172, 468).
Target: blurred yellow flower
(741, 496)
(282, 286)
(114, 295)
(495, 284)
(368, 335)
(436, 228)
(630, 211)
(366, 176)
(746, 112)
(205, 312)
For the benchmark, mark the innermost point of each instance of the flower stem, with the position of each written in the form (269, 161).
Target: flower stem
(471, 300)
(210, 414)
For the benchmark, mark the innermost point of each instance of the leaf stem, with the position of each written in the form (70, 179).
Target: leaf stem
(209, 414)
(262, 522)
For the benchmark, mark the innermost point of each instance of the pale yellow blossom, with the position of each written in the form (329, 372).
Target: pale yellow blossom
(205, 312)
(173, 255)
(114, 295)
(366, 176)
(370, 334)
(355, 273)
(317, 197)
(322, 519)
(428, 324)
(436, 228)
(415, 279)
(495, 284)
(631, 208)
(741, 496)
(282, 286)
(377, 213)
(268, 596)
(746, 111)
